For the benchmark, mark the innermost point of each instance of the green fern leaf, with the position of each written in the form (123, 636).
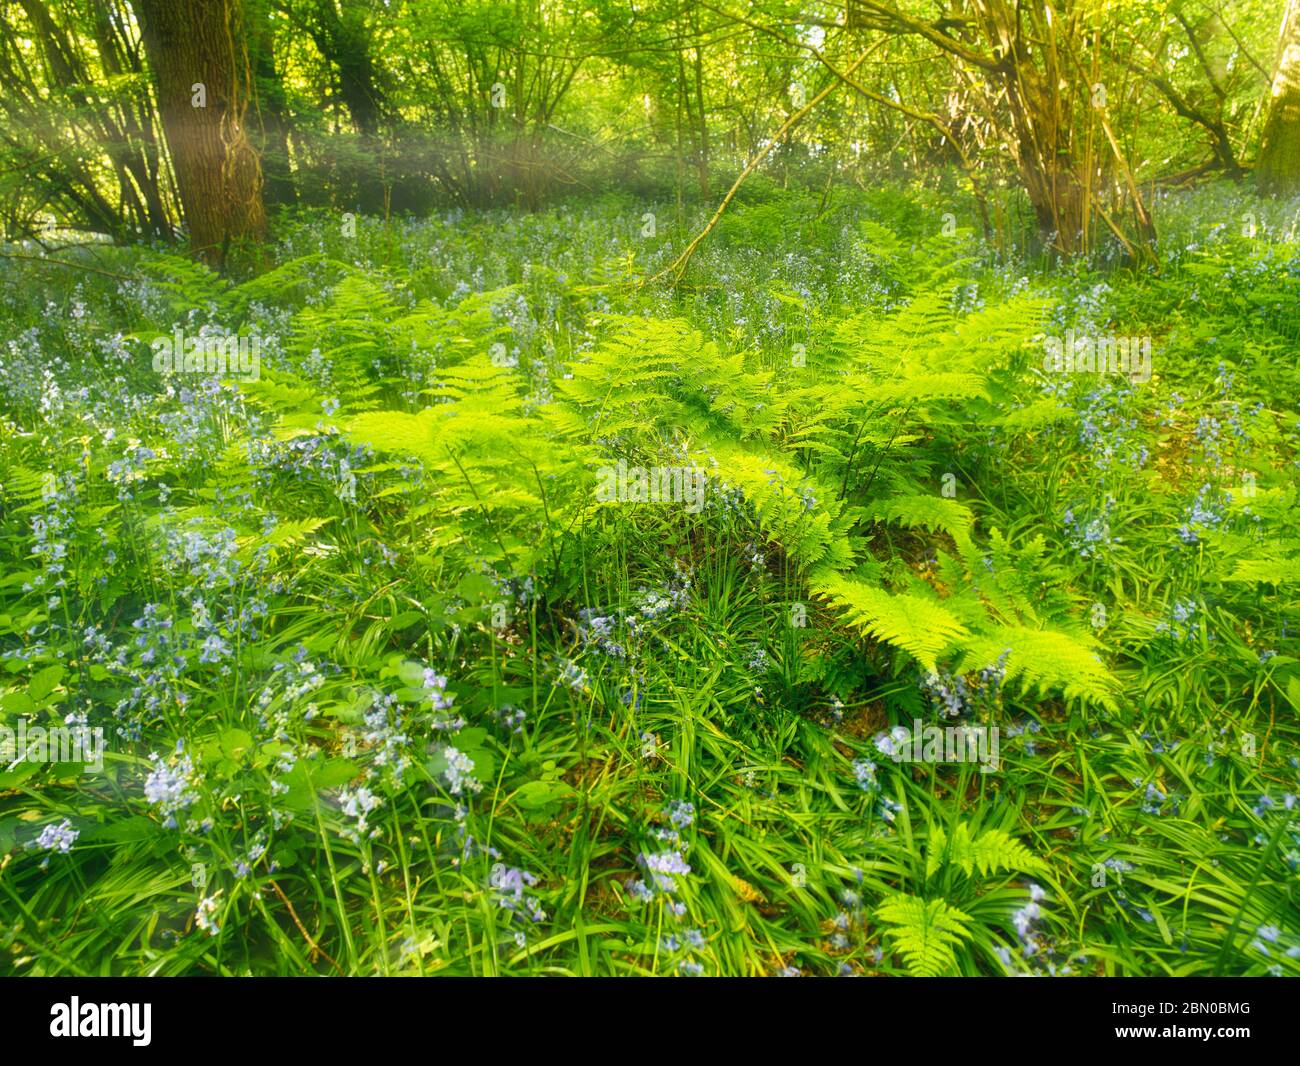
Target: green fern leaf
(920, 627)
(992, 850)
(1045, 660)
(924, 932)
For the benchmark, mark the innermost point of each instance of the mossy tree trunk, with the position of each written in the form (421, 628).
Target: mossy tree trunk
(218, 171)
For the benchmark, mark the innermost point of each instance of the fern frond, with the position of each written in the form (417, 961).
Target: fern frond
(1044, 660)
(1267, 571)
(992, 850)
(925, 512)
(925, 932)
(923, 628)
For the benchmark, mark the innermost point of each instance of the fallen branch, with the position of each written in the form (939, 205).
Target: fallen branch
(62, 263)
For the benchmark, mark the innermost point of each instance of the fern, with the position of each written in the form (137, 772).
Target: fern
(923, 628)
(925, 512)
(925, 932)
(1045, 660)
(992, 850)
(1272, 571)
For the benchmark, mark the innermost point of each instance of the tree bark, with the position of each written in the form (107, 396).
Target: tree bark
(1278, 166)
(218, 172)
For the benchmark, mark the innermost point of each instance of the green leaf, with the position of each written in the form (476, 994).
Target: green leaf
(43, 683)
(235, 742)
(538, 794)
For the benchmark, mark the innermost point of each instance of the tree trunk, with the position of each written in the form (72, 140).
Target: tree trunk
(218, 172)
(702, 148)
(1279, 154)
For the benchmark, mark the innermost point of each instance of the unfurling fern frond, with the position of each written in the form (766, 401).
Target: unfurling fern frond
(924, 932)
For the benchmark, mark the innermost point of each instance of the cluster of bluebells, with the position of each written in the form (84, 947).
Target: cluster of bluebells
(1120, 867)
(1087, 310)
(458, 774)
(1155, 800)
(440, 703)
(663, 865)
(55, 838)
(153, 661)
(617, 637)
(598, 631)
(1026, 922)
(1287, 806)
(1109, 427)
(1216, 435)
(674, 595)
(286, 696)
(1180, 623)
(198, 423)
(572, 676)
(1172, 406)
(244, 866)
(325, 459)
(953, 696)
(51, 531)
(758, 665)
(966, 299)
(849, 921)
(171, 785)
(1038, 955)
(358, 804)
(509, 887)
(1205, 513)
(949, 694)
(1268, 942)
(805, 495)
(1029, 729)
(511, 718)
(131, 469)
(866, 773)
(205, 915)
(1157, 745)
(203, 558)
(1089, 537)
(385, 734)
(518, 592)
(291, 682)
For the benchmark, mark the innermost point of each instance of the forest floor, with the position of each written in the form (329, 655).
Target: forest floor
(398, 671)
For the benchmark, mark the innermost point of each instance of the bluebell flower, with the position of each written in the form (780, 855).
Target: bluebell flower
(59, 837)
